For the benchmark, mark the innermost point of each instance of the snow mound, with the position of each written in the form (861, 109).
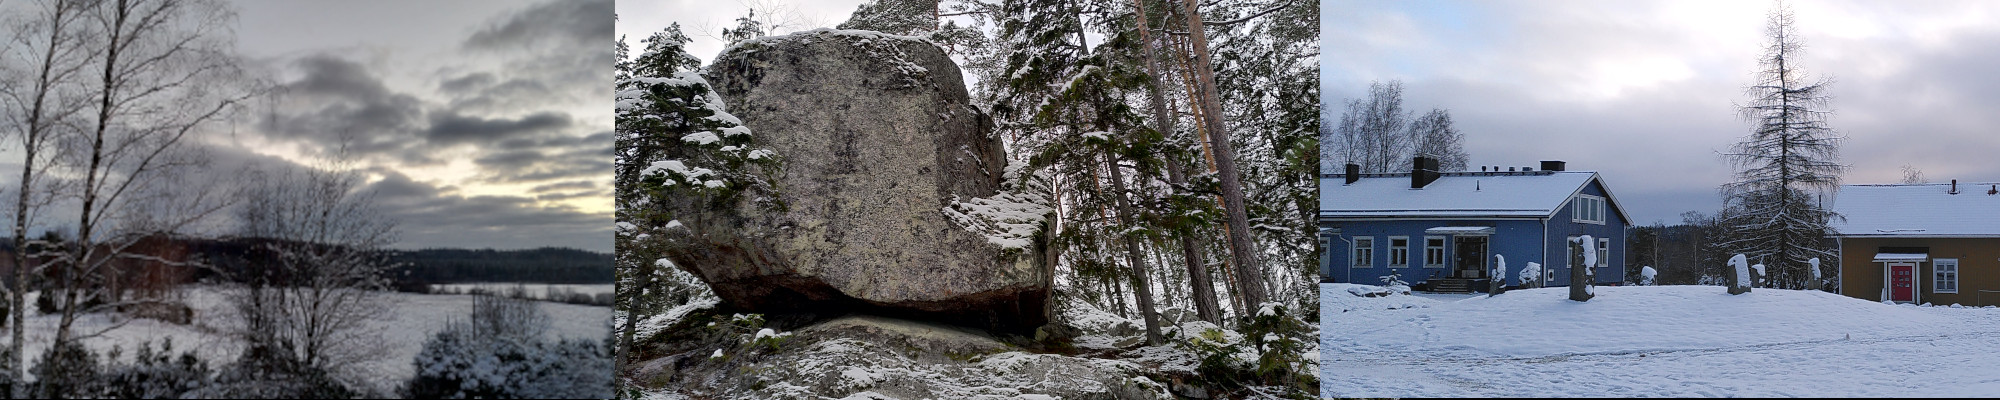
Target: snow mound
(1336, 298)
(1541, 322)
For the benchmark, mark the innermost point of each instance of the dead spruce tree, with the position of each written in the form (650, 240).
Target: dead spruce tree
(1785, 166)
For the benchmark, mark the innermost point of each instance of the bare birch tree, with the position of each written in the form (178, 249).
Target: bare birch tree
(164, 74)
(1786, 166)
(41, 90)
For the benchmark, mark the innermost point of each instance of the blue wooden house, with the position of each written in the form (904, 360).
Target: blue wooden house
(1441, 230)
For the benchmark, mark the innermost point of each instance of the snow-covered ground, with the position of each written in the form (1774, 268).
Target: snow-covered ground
(401, 333)
(537, 290)
(1668, 341)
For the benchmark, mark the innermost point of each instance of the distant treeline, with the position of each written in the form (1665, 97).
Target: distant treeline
(234, 256)
(543, 265)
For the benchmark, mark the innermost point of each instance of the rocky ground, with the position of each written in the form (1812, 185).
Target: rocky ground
(1090, 355)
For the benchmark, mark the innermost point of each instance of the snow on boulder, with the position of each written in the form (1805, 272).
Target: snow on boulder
(1647, 275)
(891, 185)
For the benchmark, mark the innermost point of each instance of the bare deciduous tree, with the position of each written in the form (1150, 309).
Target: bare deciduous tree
(321, 267)
(1435, 137)
(41, 89)
(153, 74)
(1378, 134)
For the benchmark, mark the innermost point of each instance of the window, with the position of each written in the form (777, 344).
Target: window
(1399, 251)
(1587, 209)
(1603, 252)
(1364, 252)
(1946, 270)
(1575, 246)
(1434, 252)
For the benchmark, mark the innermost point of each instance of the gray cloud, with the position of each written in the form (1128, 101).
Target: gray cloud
(586, 22)
(505, 98)
(430, 218)
(466, 83)
(450, 127)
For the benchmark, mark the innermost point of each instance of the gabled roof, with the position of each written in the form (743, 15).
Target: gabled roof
(1456, 195)
(1917, 210)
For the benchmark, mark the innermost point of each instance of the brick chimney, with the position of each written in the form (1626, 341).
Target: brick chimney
(1423, 171)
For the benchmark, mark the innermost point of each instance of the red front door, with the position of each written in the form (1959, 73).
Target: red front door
(1902, 282)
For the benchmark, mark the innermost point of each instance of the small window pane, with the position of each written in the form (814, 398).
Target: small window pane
(1364, 252)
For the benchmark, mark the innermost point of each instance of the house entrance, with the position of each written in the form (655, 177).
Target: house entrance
(1902, 282)
(1470, 260)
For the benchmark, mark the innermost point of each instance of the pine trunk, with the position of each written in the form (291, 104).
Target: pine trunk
(1197, 269)
(1249, 272)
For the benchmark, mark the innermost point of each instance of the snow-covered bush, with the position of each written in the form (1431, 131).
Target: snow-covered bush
(501, 353)
(1395, 283)
(264, 372)
(155, 375)
(69, 370)
(1531, 275)
(1648, 276)
(1268, 349)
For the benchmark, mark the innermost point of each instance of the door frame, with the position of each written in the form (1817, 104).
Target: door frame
(1486, 249)
(1916, 281)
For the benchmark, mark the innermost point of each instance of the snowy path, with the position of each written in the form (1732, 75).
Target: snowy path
(1951, 353)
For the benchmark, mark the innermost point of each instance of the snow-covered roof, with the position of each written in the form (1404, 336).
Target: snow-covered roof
(1459, 195)
(1917, 210)
(1460, 230)
(1901, 257)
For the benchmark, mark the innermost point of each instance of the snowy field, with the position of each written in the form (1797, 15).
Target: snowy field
(1653, 341)
(537, 290)
(401, 332)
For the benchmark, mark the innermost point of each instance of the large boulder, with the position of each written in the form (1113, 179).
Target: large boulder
(879, 148)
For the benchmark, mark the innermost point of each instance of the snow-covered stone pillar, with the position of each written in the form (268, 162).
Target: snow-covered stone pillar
(1813, 284)
(1581, 277)
(1739, 275)
(1499, 276)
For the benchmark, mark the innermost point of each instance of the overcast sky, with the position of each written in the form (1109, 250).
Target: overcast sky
(1645, 92)
(484, 123)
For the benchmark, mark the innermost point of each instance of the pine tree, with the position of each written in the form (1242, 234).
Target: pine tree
(1786, 166)
(1203, 293)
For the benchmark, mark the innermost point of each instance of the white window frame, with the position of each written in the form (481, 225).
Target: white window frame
(1363, 253)
(1393, 249)
(1603, 252)
(1938, 275)
(1569, 252)
(1441, 261)
(1587, 209)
